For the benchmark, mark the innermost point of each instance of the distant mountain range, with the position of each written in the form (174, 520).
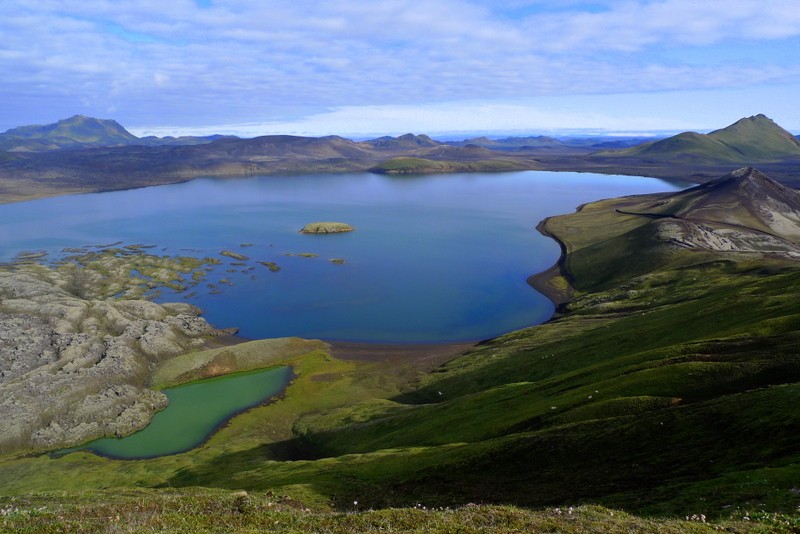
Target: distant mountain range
(754, 139)
(83, 154)
(80, 131)
(544, 143)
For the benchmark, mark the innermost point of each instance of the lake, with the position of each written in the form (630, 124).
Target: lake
(435, 258)
(195, 410)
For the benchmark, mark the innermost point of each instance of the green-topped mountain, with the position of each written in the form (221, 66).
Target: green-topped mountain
(76, 131)
(407, 141)
(80, 132)
(758, 138)
(754, 139)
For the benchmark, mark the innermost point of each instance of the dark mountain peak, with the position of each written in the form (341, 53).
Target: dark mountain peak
(755, 186)
(744, 198)
(749, 174)
(408, 140)
(421, 139)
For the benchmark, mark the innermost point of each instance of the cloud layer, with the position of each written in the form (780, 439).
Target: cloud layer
(185, 63)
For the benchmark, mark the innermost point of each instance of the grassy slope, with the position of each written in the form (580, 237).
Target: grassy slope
(669, 386)
(758, 139)
(217, 511)
(686, 146)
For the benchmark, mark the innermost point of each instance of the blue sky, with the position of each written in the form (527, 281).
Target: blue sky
(358, 68)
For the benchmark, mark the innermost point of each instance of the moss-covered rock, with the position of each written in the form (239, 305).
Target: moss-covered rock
(326, 228)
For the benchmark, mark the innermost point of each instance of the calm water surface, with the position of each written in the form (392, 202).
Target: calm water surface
(195, 410)
(434, 258)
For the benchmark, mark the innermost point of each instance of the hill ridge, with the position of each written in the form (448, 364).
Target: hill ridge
(744, 211)
(755, 139)
(81, 131)
(72, 132)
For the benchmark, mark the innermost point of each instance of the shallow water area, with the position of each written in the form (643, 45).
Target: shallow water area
(195, 411)
(433, 259)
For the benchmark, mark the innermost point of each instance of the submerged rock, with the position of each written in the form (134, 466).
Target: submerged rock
(326, 228)
(234, 255)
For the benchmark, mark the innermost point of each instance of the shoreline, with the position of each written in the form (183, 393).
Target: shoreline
(219, 426)
(556, 282)
(417, 353)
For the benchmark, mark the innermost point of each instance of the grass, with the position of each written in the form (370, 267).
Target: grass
(749, 140)
(215, 511)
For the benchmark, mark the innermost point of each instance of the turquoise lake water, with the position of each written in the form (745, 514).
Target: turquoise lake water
(438, 258)
(195, 410)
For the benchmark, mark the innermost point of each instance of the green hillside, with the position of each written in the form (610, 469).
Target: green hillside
(687, 145)
(754, 139)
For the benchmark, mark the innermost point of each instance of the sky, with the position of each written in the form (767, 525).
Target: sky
(360, 68)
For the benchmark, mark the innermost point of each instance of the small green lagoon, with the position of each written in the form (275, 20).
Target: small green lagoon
(195, 411)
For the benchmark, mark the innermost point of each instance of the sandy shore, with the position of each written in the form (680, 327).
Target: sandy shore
(421, 355)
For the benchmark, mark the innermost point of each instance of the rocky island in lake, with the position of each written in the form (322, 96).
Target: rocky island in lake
(326, 228)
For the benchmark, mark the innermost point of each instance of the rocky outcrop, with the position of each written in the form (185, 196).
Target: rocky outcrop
(716, 237)
(74, 365)
(744, 211)
(241, 357)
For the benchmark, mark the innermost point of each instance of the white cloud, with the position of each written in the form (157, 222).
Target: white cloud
(432, 119)
(269, 60)
(631, 26)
